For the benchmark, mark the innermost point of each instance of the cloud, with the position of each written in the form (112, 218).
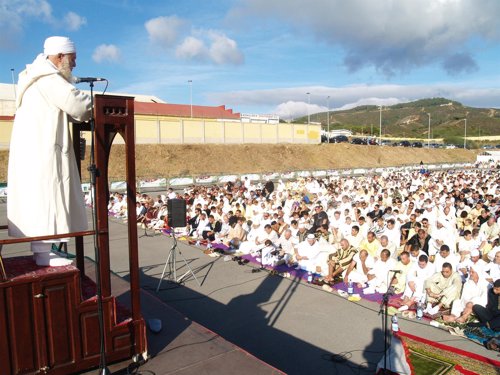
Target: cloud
(293, 102)
(391, 36)
(73, 21)
(292, 109)
(106, 53)
(192, 49)
(15, 13)
(199, 45)
(164, 31)
(221, 50)
(224, 50)
(459, 63)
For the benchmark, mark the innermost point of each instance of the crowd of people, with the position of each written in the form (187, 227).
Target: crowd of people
(431, 237)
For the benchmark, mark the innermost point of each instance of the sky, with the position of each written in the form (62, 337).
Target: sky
(285, 57)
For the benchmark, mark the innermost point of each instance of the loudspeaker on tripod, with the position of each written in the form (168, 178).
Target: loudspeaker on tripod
(176, 213)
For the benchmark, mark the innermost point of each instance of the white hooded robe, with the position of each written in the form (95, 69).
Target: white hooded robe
(44, 189)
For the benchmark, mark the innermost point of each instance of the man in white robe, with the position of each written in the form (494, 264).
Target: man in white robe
(415, 279)
(357, 271)
(474, 291)
(43, 177)
(442, 289)
(445, 256)
(378, 276)
(307, 255)
(288, 244)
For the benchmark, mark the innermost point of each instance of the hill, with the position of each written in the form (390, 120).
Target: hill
(410, 120)
(154, 161)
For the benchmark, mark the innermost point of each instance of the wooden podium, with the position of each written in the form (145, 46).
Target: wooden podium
(48, 315)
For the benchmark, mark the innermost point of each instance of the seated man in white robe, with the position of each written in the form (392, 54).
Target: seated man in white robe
(465, 245)
(393, 234)
(445, 256)
(474, 261)
(271, 255)
(288, 244)
(441, 235)
(442, 289)
(260, 242)
(414, 290)
(403, 266)
(355, 238)
(357, 272)
(493, 268)
(386, 244)
(415, 253)
(378, 276)
(247, 246)
(474, 291)
(307, 254)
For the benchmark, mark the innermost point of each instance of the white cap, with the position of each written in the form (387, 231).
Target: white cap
(302, 225)
(311, 236)
(474, 253)
(55, 45)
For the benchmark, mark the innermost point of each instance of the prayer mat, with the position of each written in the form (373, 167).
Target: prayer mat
(429, 357)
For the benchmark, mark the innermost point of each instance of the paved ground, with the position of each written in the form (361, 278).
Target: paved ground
(293, 326)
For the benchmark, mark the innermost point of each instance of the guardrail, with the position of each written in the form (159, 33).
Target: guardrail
(163, 183)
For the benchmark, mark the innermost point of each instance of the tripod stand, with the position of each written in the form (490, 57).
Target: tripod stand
(171, 264)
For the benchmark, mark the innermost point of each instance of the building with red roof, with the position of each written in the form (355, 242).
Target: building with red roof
(185, 110)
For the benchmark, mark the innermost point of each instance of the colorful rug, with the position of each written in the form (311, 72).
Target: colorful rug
(429, 357)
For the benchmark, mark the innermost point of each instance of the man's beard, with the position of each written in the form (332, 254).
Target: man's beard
(65, 69)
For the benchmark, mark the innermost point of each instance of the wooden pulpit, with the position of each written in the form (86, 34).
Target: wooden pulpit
(48, 315)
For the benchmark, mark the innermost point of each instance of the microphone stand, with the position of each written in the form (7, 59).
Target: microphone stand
(94, 173)
(384, 306)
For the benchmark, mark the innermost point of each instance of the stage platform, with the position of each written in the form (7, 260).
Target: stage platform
(182, 347)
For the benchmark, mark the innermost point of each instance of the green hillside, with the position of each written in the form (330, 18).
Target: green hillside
(410, 120)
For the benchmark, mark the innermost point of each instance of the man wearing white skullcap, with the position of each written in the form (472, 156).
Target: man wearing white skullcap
(45, 195)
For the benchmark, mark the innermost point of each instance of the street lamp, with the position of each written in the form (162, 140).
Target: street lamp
(328, 116)
(13, 83)
(465, 133)
(380, 126)
(308, 105)
(429, 134)
(190, 82)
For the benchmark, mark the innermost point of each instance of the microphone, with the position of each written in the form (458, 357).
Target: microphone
(395, 271)
(87, 79)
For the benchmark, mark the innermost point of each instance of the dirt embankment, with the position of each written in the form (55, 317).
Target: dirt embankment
(186, 160)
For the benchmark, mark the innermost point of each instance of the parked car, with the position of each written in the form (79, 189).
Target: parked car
(385, 143)
(450, 146)
(404, 144)
(339, 139)
(487, 147)
(497, 146)
(358, 141)
(417, 144)
(372, 142)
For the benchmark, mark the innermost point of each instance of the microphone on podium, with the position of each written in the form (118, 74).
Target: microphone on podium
(87, 79)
